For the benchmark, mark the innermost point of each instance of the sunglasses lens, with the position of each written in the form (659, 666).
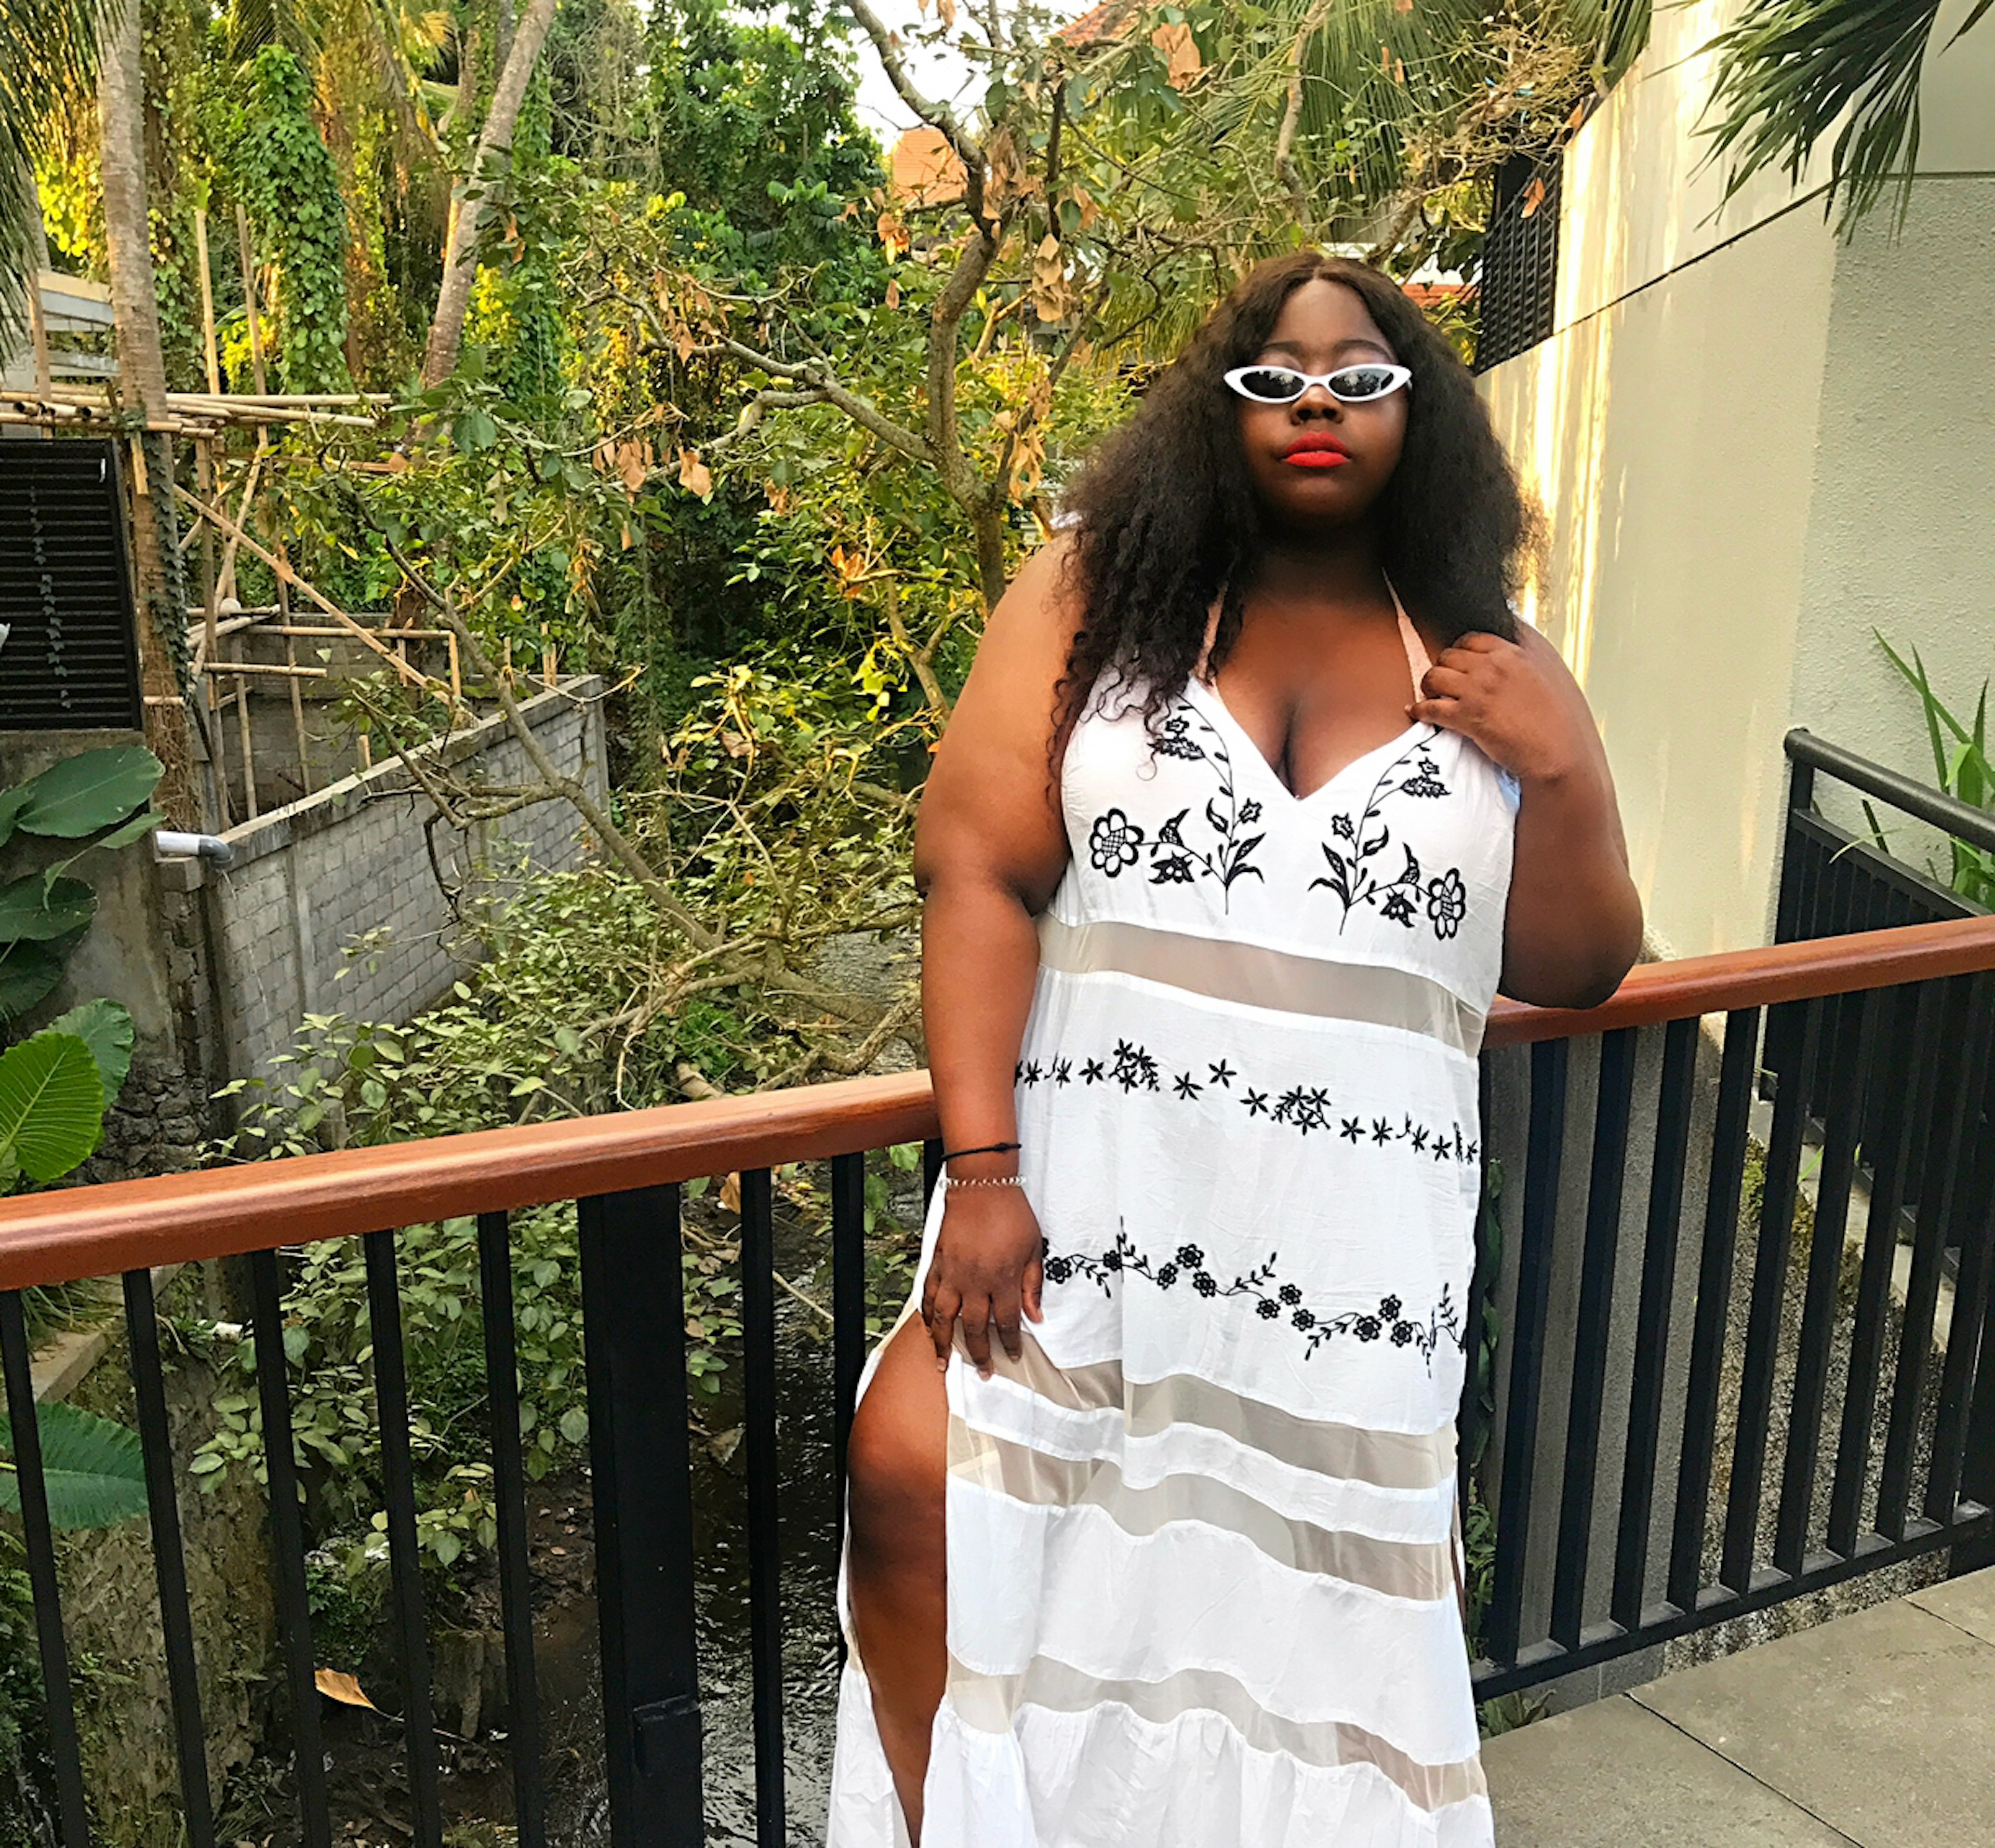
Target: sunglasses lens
(1271, 384)
(1356, 383)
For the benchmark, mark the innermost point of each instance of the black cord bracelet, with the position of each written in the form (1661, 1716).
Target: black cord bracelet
(949, 1155)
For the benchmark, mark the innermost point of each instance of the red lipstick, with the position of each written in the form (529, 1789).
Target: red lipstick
(1318, 449)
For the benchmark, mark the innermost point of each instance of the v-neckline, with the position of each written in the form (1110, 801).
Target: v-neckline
(1418, 661)
(1225, 712)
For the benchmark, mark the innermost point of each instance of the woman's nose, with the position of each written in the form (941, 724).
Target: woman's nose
(1317, 401)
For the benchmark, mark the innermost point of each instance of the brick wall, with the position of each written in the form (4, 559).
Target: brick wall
(310, 880)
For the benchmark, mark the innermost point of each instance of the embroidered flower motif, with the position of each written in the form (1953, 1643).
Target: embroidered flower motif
(1448, 903)
(1133, 1069)
(1171, 741)
(1425, 781)
(1114, 842)
(1272, 1301)
(1304, 1108)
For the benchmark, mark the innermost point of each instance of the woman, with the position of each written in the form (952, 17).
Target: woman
(1154, 1534)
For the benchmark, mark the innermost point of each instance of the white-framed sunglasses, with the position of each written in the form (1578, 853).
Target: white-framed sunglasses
(1349, 384)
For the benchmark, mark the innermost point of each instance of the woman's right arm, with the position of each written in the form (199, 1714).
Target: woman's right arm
(990, 847)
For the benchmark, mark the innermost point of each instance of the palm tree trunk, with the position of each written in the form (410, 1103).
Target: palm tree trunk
(473, 199)
(161, 614)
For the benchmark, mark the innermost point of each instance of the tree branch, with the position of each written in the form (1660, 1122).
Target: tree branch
(1292, 114)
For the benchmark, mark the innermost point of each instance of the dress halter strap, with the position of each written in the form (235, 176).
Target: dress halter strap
(1417, 659)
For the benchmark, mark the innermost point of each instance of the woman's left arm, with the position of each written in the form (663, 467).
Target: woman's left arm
(1575, 925)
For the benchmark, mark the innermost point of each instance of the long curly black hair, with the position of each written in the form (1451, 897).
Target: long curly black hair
(1167, 518)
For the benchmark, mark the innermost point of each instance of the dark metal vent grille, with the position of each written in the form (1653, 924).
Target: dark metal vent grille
(69, 659)
(1518, 285)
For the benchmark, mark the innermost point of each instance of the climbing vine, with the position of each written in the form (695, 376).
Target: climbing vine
(289, 184)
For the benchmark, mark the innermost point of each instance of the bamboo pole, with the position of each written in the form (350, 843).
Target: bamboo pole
(249, 299)
(38, 328)
(208, 351)
(298, 711)
(249, 749)
(348, 625)
(227, 587)
(236, 669)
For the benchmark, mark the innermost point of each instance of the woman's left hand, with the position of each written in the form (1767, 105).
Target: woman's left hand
(1515, 701)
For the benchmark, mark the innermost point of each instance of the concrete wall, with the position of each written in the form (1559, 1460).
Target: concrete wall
(310, 880)
(1753, 443)
(145, 950)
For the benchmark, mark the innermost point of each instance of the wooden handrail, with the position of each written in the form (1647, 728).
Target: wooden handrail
(99, 1231)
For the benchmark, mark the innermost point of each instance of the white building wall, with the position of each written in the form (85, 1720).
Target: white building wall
(1752, 444)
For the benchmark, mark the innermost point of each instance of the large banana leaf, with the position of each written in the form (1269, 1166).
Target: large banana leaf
(88, 791)
(28, 972)
(51, 1106)
(41, 910)
(95, 1469)
(106, 1028)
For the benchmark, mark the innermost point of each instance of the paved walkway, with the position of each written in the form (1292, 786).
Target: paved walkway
(1872, 1731)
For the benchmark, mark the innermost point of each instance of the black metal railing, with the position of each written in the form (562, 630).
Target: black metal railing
(1628, 1476)
(1835, 880)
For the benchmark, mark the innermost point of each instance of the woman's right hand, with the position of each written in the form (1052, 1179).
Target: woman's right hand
(987, 1271)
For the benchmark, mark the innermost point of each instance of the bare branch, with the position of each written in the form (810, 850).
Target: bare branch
(862, 411)
(937, 115)
(1291, 115)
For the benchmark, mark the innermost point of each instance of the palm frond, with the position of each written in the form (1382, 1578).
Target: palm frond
(1789, 70)
(48, 53)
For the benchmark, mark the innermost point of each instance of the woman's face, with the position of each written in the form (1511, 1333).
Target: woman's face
(1319, 462)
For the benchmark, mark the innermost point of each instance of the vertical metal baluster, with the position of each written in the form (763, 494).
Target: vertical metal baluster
(169, 1557)
(1762, 1322)
(1855, 1017)
(1527, 1350)
(1965, 1347)
(640, 1481)
(1789, 919)
(1977, 1450)
(765, 1587)
(1613, 1097)
(509, 1489)
(931, 1169)
(848, 1311)
(1673, 1099)
(1905, 1064)
(1714, 1296)
(1950, 1117)
(288, 1548)
(405, 1565)
(58, 1700)
(1481, 1277)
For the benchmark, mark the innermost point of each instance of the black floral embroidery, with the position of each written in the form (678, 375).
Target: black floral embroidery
(1184, 734)
(1114, 842)
(1272, 1301)
(1448, 903)
(1303, 1108)
(1133, 1069)
(1357, 868)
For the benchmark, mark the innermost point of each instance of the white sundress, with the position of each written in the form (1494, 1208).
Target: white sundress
(1203, 1548)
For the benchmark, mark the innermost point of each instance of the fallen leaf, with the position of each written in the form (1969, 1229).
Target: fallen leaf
(730, 1192)
(336, 1684)
(1534, 197)
(694, 476)
(893, 234)
(894, 294)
